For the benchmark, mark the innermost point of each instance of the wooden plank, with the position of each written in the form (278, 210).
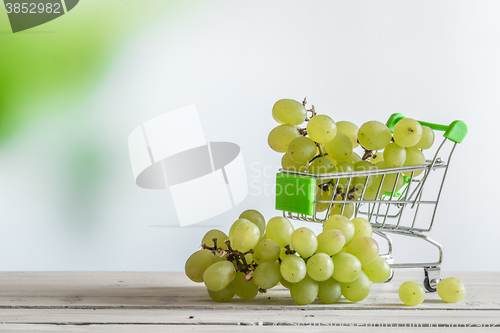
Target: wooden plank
(155, 290)
(183, 329)
(358, 317)
(155, 300)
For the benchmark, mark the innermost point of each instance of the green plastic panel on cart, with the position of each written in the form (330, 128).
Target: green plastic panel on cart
(295, 194)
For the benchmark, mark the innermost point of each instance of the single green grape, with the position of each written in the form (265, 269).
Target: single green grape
(374, 135)
(407, 132)
(302, 149)
(305, 291)
(320, 267)
(219, 235)
(197, 263)
(256, 218)
(224, 295)
(329, 291)
(411, 293)
(330, 242)
(378, 271)
(281, 136)
(341, 223)
(349, 129)
(427, 138)
(321, 165)
(321, 128)
(280, 230)
(451, 290)
(340, 148)
(293, 268)
(364, 248)
(289, 164)
(267, 274)
(414, 156)
(289, 111)
(219, 275)
(358, 289)
(245, 289)
(268, 250)
(362, 228)
(304, 242)
(246, 236)
(394, 155)
(346, 267)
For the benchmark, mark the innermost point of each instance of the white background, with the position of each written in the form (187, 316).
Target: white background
(354, 60)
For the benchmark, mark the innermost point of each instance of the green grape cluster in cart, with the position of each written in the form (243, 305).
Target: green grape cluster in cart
(325, 146)
(343, 260)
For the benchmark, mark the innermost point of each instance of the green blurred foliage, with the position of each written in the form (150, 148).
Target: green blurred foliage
(58, 63)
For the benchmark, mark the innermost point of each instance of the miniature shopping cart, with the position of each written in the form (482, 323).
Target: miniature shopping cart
(408, 210)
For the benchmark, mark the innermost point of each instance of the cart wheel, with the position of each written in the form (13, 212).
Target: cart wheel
(390, 277)
(427, 285)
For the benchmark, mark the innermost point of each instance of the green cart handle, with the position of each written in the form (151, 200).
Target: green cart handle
(455, 132)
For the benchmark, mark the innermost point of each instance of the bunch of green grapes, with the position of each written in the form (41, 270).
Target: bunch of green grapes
(324, 148)
(256, 255)
(342, 261)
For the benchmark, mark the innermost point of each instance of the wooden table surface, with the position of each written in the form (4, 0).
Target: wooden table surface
(170, 302)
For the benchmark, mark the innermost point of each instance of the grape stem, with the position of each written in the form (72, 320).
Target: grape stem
(236, 257)
(368, 154)
(289, 250)
(303, 131)
(313, 112)
(320, 150)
